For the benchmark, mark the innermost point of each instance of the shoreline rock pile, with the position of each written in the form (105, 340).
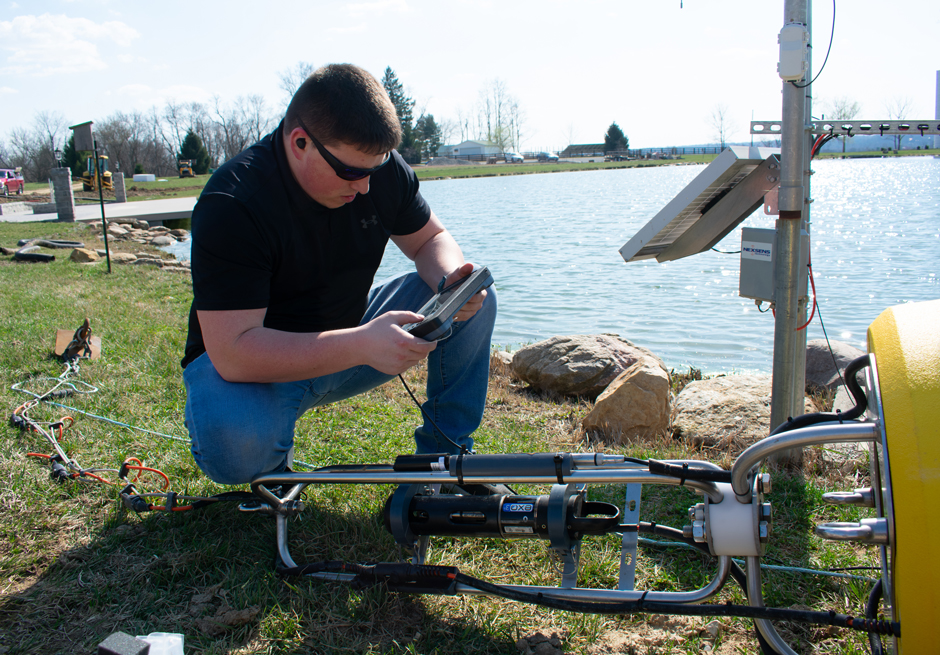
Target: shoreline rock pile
(631, 390)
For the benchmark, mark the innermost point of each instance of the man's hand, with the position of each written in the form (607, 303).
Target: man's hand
(389, 348)
(476, 302)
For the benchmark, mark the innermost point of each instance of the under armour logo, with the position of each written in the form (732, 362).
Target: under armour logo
(367, 222)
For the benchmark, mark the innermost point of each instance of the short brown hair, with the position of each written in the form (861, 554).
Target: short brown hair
(342, 103)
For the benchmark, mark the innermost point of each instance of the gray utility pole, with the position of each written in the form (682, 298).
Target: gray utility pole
(789, 362)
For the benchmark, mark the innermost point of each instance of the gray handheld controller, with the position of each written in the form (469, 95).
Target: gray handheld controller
(440, 310)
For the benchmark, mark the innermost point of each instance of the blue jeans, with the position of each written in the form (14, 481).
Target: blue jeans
(241, 430)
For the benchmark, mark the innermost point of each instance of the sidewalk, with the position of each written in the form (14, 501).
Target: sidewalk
(152, 211)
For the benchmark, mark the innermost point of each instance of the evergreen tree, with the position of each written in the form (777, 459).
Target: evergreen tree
(430, 134)
(194, 149)
(404, 107)
(72, 159)
(615, 139)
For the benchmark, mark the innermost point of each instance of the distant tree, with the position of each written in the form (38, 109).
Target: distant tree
(615, 139)
(239, 124)
(843, 109)
(194, 149)
(722, 123)
(292, 78)
(899, 108)
(429, 133)
(499, 117)
(72, 159)
(404, 107)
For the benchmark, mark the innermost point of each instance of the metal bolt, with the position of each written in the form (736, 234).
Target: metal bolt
(687, 531)
(763, 532)
(698, 532)
(764, 483)
(766, 512)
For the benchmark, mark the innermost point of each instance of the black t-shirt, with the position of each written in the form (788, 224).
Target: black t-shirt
(259, 241)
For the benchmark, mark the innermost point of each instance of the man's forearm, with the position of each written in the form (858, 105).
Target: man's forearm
(438, 257)
(265, 355)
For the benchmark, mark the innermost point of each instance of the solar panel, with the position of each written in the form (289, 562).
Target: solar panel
(714, 203)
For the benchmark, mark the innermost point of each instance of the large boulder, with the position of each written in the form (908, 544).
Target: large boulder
(578, 365)
(821, 372)
(730, 412)
(636, 405)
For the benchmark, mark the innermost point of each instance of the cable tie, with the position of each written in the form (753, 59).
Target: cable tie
(682, 476)
(170, 501)
(559, 473)
(460, 469)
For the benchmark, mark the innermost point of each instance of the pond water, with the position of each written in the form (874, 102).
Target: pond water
(552, 244)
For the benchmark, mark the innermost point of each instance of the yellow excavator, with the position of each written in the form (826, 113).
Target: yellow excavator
(186, 168)
(89, 175)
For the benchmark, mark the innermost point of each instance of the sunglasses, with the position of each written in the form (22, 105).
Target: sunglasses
(342, 171)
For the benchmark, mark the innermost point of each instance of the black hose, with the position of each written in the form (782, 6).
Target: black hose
(858, 394)
(686, 472)
(871, 612)
(640, 605)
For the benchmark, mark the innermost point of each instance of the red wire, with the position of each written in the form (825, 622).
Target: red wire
(812, 283)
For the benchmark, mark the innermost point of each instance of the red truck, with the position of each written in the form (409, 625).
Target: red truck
(11, 181)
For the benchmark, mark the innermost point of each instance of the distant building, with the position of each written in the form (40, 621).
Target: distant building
(583, 150)
(470, 149)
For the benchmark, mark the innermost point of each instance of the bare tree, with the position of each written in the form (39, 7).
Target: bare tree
(4, 156)
(516, 123)
(33, 149)
(463, 124)
(723, 124)
(291, 79)
(120, 136)
(499, 117)
(842, 108)
(448, 128)
(899, 108)
(240, 124)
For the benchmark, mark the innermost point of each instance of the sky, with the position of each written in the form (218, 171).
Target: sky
(658, 68)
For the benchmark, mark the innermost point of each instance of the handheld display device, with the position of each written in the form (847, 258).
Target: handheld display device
(440, 310)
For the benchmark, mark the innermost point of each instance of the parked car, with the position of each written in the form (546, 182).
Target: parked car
(513, 157)
(547, 156)
(11, 181)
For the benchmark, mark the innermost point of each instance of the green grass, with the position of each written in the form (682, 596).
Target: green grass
(76, 566)
(495, 170)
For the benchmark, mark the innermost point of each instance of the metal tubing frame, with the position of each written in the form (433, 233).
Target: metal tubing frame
(816, 434)
(604, 473)
(755, 598)
(261, 484)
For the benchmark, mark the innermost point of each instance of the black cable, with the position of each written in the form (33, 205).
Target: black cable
(831, 36)
(632, 607)
(460, 448)
(686, 472)
(727, 252)
(861, 402)
(871, 612)
(829, 345)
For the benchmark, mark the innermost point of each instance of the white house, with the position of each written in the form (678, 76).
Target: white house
(466, 148)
